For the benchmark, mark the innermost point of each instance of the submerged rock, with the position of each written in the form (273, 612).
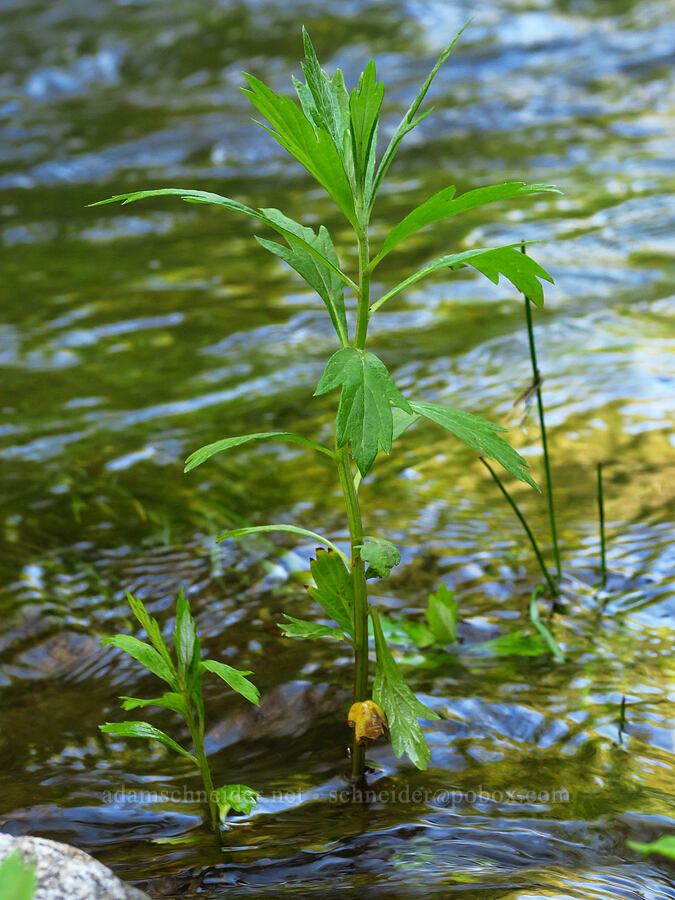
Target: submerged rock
(66, 873)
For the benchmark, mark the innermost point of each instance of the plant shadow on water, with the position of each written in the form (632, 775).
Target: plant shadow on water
(125, 338)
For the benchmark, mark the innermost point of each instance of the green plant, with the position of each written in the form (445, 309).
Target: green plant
(184, 678)
(334, 135)
(17, 878)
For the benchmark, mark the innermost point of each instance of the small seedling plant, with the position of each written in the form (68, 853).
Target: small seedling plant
(333, 133)
(184, 679)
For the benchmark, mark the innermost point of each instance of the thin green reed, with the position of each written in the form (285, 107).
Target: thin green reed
(601, 517)
(536, 375)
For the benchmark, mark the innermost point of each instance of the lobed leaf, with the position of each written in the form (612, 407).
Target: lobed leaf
(192, 196)
(364, 416)
(442, 614)
(478, 433)
(234, 678)
(324, 100)
(322, 278)
(492, 263)
(145, 730)
(313, 148)
(381, 556)
(402, 707)
(299, 628)
(444, 204)
(333, 591)
(144, 654)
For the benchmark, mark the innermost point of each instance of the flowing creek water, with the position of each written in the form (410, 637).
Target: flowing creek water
(131, 336)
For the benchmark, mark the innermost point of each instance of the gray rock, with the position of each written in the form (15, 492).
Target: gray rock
(66, 873)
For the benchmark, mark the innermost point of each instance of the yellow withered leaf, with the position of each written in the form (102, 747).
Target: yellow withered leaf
(369, 721)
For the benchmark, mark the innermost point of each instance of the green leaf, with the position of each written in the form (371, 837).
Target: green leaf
(365, 103)
(145, 654)
(313, 148)
(404, 631)
(298, 628)
(518, 643)
(318, 276)
(325, 100)
(238, 797)
(444, 204)
(541, 628)
(400, 704)
(186, 640)
(410, 119)
(191, 196)
(145, 730)
(200, 456)
(442, 614)
(18, 880)
(151, 627)
(364, 416)
(291, 529)
(234, 678)
(480, 434)
(171, 700)
(492, 263)
(381, 556)
(665, 845)
(402, 422)
(333, 591)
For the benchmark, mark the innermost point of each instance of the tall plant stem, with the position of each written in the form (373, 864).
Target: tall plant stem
(601, 515)
(528, 531)
(542, 424)
(198, 742)
(360, 593)
(364, 291)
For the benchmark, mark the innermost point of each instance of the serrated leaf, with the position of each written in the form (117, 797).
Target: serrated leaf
(192, 196)
(200, 456)
(444, 204)
(401, 706)
(18, 879)
(364, 416)
(365, 103)
(479, 434)
(170, 700)
(318, 276)
(145, 730)
(291, 529)
(492, 263)
(238, 797)
(151, 627)
(410, 120)
(234, 678)
(186, 640)
(333, 591)
(144, 654)
(402, 422)
(442, 614)
(298, 628)
(381, 556)
(329, 105)
(313, 148)
(665, 845)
